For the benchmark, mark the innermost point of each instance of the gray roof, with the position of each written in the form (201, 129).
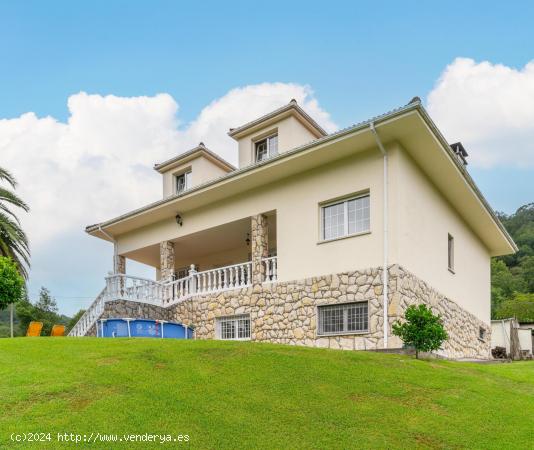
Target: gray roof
(414, 104)
(199, 148)
(291, 105)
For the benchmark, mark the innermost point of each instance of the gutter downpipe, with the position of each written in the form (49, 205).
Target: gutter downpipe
(115, 248)
(385, 272)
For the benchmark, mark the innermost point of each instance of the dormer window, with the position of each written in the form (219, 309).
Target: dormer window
(266, 148)
(183, 182)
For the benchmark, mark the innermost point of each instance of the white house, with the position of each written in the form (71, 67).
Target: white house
(315, 239)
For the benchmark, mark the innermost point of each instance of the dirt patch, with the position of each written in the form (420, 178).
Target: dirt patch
(427, 441)
(107, 361)
(79, 404)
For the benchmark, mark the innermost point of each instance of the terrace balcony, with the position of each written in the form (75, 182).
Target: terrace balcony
(253, 237)
(168, 293)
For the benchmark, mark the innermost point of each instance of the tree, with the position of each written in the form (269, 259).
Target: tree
(11, 286)
(514, 274)
(44, 310)
(13, 240)
(520, 306)
(422, 329)
(26, 313)
(527, 272)
(46, 302)
(503, 284)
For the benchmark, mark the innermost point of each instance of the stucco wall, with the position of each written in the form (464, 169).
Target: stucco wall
(421, 220)
(295, 201)
(291, 134)
(500, 334)
(202, 170)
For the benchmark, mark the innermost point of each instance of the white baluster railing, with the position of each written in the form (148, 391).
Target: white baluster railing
(90, 316)
(144, 290)
(214, 280)
(271, 268)
(134, 289)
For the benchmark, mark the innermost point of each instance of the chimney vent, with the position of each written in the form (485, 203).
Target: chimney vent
(460, 152)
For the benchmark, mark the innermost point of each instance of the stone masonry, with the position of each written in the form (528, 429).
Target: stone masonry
(119, 264)
(166, 252)
(259, 246)
(286, 312)
(463, 327)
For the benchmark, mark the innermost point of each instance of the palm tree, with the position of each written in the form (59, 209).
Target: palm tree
(13, 240)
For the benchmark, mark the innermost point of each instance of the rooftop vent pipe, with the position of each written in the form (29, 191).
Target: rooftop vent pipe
(460, 152)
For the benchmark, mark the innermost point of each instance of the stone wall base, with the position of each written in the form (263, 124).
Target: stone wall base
(286, 312)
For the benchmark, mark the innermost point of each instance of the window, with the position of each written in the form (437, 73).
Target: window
(450, 252)
(345, 218)
(233, 327)
(345, 318)
(183, 182)
(266, 148)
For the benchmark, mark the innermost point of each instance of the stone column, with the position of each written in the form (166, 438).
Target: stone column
(119, 264)
(119, 267)
(166, 254)
(259, 237)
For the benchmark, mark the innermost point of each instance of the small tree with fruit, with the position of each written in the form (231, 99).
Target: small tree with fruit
(421, 329)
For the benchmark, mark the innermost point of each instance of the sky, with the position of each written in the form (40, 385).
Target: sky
(92, 94)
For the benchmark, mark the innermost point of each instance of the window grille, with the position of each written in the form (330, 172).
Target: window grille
(233, 327)
(344, 318)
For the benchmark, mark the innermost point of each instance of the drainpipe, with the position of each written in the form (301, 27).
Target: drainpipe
(385, 272)
(115, 248)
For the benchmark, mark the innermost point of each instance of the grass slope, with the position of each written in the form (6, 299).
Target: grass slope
(245, 395)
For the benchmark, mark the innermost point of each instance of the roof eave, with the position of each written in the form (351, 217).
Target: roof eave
(412, 106)
(467, 177)
(190, 154)
(243, 130)
(330, 137)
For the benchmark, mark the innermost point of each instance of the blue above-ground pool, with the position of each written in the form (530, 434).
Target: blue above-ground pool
(143, 328)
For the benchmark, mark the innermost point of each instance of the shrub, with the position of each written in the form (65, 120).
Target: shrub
(422, 329)
(11, 283)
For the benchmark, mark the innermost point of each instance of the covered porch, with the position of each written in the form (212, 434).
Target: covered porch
(233, 255)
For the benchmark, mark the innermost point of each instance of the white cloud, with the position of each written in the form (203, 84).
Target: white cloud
(490, 108)
(99, 163)
(241, 105)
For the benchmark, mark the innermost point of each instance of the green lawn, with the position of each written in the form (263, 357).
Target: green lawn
(245, 395)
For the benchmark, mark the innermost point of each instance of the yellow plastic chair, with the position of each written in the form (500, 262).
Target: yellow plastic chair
(58, 330)
(34, 329)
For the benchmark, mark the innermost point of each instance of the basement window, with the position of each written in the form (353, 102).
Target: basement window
(482, 334)
(266, 148)
(343, 319)
(233, 327)
(450, 253)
